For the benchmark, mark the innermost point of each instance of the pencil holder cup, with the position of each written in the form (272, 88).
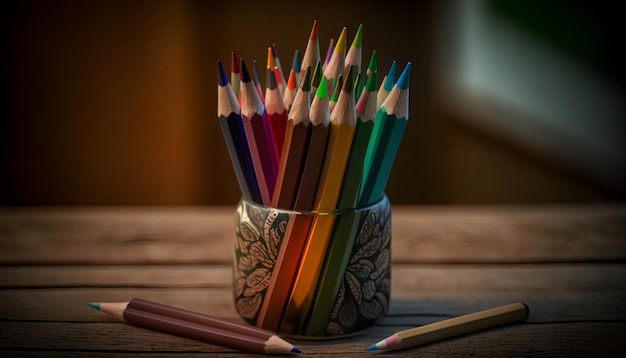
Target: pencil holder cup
(312, 274)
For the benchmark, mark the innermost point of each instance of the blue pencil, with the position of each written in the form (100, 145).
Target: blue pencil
(229, 113)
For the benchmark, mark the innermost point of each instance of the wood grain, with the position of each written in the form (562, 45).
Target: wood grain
(126, 235)
(567, 263)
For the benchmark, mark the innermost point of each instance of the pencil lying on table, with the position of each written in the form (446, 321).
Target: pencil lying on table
(159, 317)
(453, 327)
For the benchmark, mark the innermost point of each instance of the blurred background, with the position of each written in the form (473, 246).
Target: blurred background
(114, 102)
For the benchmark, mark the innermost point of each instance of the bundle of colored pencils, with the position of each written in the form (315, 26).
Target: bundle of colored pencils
(323, 138)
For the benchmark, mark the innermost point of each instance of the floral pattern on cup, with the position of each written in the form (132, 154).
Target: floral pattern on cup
(363, 298)
(364, 293)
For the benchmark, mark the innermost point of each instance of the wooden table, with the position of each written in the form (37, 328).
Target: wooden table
(568, 263)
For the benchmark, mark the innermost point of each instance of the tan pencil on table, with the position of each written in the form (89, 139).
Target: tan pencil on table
(453, 327)
(159, 317)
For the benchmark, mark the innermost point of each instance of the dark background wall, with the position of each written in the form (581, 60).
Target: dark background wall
(114, 103)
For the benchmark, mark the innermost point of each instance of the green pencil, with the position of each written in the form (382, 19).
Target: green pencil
(391, 120)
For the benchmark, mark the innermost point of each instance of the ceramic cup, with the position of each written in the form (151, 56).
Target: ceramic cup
(312, 274)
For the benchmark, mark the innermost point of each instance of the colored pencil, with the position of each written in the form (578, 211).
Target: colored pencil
(287, 185)
(296, 143)
(280, 78)
(259, 135)
(235, 76)
(453, 327)
(257, 82)
(317, 78)
(387, 84)
(290, 91)
(329, 52)
(337, 62)
(298, 226)
(343, 124)
(229, 115)
(344, 232)
(296, 67)
(275, 110)
(312, 51)
(177, 321)
(314, 162)
(334, 97)
(355, 52)
(391, 121)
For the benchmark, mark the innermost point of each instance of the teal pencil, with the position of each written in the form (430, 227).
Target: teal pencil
(387, 85)
(391, 121)
(344, 232)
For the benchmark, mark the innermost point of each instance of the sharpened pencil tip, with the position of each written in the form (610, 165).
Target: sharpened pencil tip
(296, 350)
(95, 305)
(391, 77)
(221, 74)
(403, 81)
(234, 63)
(373, 347)
(245, 74)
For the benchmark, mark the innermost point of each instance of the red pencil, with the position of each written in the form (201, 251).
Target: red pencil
(275, 110)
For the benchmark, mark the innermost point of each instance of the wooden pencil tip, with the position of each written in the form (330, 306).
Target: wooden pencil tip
(348, 83)
(245, 75)
(95, 305)
(358, 38)
(291, 80)
(371, 348)
(222, 80)
(403, 81)
(370, 85)
(373, 65)
(340, 46)
(391, 77)
(306, 84)
(313, 35)
(317, 75)
(234, 63)
(256, 72)
(270, 81)
(270, 58)
(296, 65)
(296, 350)
(322, 89)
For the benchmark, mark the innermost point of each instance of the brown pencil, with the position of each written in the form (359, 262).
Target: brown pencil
(294, 148)
(159, 317)
(287, 184)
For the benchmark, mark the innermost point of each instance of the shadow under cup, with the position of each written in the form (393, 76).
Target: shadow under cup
(314, 274)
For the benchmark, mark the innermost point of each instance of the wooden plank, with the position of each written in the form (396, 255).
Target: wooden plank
(116, 235)
(409, 279)
(520, 340)
(504, 234)
(69, 304)
(429, 234)
(117, 276)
